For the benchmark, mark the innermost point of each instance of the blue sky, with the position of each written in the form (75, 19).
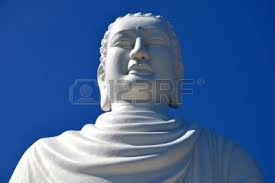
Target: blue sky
(228, 48)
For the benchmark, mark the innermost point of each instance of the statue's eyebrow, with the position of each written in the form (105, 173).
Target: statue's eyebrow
(156, 32)
(123, 33)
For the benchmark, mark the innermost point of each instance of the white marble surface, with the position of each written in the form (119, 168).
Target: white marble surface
(137, 143)
(136, 147)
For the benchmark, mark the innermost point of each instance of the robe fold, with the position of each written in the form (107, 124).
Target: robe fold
(137, 147)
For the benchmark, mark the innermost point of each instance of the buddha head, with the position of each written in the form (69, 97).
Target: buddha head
(137, 51)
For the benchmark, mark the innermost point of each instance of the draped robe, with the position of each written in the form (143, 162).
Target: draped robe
(136, 147)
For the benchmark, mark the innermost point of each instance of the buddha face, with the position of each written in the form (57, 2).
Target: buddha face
(139, 49)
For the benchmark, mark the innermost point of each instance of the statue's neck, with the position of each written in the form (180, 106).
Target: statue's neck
(161, 109)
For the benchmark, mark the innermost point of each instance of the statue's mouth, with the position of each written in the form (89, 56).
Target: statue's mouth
(143, 69)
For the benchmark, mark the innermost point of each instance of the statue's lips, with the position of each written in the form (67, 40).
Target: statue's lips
(140, 69)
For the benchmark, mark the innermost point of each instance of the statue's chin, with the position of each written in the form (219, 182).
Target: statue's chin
(137, 77)
(139, 96)
(136, 97)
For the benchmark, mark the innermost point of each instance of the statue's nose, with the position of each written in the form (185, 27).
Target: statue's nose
(139, 52)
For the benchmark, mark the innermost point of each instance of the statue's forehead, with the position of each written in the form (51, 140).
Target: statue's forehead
(134, 23)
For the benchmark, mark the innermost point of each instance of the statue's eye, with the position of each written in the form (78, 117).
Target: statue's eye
(157, 41)
(124, 43)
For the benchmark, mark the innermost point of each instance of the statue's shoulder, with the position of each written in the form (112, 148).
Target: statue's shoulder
(222, 145)
(47, 152)
(47, 145)
(59, 142)
(228, 156)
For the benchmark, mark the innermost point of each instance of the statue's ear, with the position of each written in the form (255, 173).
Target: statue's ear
(176, 95)
(179, 70)
(104, 99)
(100, 74)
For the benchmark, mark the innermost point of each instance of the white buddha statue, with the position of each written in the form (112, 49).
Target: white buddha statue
(135, 140)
